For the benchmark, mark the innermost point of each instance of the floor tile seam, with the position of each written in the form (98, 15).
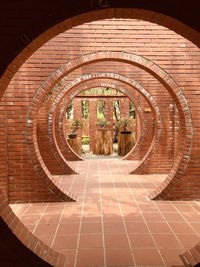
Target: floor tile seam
(80, 224)
(102, 222)
(164, 264)
(127, 235)
(42, 214)
(174, 234)
(58, 225)
(189, 223)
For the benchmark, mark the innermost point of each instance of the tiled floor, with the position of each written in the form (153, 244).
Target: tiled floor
(114, 223)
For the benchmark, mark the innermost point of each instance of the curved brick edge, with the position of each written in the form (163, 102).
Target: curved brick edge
(154, 17)
(55, 163)
(106, 13)
(191, 257)
(100, 83)
(59, 127)
(136, 86)
(40, 168)
(68, 153)
(166, 80)
(27, 238)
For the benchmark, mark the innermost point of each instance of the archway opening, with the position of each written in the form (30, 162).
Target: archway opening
(95, 119)
(117, 191)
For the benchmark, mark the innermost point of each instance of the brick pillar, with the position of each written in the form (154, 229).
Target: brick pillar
(77, 114)
(92, 121)
(124, 107)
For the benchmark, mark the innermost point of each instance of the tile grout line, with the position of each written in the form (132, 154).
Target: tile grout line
(174, 234)
(144, 219)
(52, 242)
(129, 242)
(82, 212)
(42, 214)
(165, 220)
(102, 222)
(196, 232)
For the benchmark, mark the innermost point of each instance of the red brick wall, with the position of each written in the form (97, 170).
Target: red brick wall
(151, 45)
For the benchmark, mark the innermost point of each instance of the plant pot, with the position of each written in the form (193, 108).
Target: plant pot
(125, 132)
(72, 136)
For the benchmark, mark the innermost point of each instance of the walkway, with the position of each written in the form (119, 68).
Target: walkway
(114, 223)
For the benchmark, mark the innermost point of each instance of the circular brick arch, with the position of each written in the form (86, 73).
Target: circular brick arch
(67, 91)
(27, 238)
(151, 16)
(145, 64)
(100, 83)
(107, 13)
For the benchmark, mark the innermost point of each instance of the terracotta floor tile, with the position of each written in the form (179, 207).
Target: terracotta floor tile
(141, 241)
(185, 208)
(45, 229)
(91, 218)
(65, 242)
(188, 240)
(147, 257)
(116, 190)
(191, 216)
(148, 207)
(35, 209)
(114, 227)
(136, 227)
(91, 227)
(54, 208)
(116, 241)
(152, 216)
(91, 241)
(133, 216)
(112, 217)
(50, 218)
(196, 227)
(181, 227)
(117, 257)
(90, 257)
(166, 207)
(173, 217)
(68, 228)
(166, 241)
(31, 219)
(159, 227)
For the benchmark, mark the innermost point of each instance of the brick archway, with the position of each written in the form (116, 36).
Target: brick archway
(166, 80)
(148, 15)
(68, 90)
(102, 83)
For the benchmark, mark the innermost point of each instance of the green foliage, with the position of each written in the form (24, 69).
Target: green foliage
(85, 140)
(85, 108)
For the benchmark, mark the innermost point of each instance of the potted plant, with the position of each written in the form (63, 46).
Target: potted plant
(123, 124)
(76, 124)
(103, 123)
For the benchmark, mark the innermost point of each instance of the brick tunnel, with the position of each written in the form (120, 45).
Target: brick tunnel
(61, 208)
